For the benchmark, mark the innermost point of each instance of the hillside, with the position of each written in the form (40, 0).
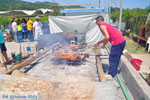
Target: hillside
(22, 5)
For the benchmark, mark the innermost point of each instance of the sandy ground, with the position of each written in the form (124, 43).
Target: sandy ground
(13, 47)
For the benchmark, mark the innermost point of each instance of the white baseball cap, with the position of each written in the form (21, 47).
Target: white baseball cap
(37, 17)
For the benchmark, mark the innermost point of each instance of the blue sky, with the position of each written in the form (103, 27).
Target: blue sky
(126, 3)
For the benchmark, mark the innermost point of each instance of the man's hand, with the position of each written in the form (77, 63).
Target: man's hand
(102, 46)
(96, 44)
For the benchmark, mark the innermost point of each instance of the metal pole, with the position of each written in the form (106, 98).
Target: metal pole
(109, 12)
(120, 19)
(99, 3)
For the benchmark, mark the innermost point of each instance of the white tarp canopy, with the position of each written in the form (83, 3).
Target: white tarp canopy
(82, 24)
(28, 12)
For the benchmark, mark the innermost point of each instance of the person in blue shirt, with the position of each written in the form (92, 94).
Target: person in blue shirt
(24, 29)
(3, 48)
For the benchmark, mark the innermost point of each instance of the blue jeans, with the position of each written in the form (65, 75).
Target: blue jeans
(15, 36)
(19, 36)
(31, 38)
(25, 35)
(114, 58)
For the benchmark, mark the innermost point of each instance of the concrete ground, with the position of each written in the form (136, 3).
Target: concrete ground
(84, 74)
(145, 67)
(105, 64)
(138, 87)
(46, 69)
(30, 88)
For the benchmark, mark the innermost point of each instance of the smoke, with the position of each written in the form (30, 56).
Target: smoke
(46, 28)
(48, 39)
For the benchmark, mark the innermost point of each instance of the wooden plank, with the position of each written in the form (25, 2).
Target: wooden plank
(18, 65)
(25, 62)
(99, 67)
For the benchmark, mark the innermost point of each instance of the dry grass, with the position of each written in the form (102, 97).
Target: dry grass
(132, 47)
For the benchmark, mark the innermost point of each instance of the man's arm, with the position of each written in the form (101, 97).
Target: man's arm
(12, 28)
(41, 25)
(106, 36)
(31, 23)
(33, 28)
(16, 26)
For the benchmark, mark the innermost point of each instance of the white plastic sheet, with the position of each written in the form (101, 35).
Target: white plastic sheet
(28, 12)
(82, 24)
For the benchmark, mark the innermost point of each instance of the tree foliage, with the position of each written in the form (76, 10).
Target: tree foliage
(23, 5)
(128, 13)
(133, 18)
(7, 5)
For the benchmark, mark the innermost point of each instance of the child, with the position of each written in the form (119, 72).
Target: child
(3, 48)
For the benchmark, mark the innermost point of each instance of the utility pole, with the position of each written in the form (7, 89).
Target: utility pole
(120, 19)
(99, 3)
(109, 11)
